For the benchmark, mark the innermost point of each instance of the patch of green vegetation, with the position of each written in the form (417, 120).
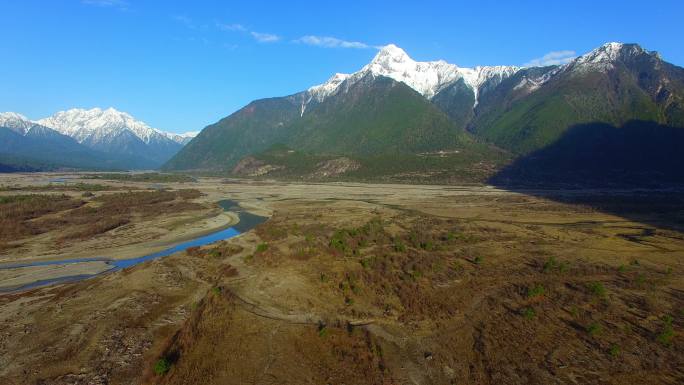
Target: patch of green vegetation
(399, 246)
(574, 312)
(667, 332)
(478, 260)
(338, 242)
(597, 289)
(323, 332)
(528, 313)
(622, 268)
(552, 264)
(261, 247)
(216, 290)
(640, 280)
(549, 265)
(367, 262)
(535, 291)
(162, 366)
(614, 351)
(594, 329)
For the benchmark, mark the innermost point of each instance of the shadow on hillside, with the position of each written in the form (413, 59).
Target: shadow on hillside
(635, 171)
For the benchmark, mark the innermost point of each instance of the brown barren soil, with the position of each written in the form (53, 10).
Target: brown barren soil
(378, 284)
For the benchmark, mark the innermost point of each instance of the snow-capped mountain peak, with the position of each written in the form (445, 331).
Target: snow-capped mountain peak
(16, 122)
(324, 90)
(428, 78)
(605, 56)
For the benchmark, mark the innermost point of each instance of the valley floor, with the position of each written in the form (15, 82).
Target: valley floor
(368, 284)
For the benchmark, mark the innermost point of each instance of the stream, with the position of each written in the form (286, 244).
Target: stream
(247, 221)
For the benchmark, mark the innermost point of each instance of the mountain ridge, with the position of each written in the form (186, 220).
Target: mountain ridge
(110, 139)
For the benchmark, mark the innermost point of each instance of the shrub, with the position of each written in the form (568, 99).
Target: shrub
(614, 351)
(478, 260)
(574, 311)
(262, 247)
(528, 313)
(162, 366)
(597, 289)
(666, 335)
(549, 265)
(399, 247)
(640, 280)
(367, 263)
(594, 329)
(535, 291)
(552, 264)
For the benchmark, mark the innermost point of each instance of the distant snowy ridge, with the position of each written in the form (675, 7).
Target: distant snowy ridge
(96, 124)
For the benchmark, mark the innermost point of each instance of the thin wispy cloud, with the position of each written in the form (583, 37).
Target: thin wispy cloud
(189, 23)
(552, 58)
(331, 42)
(261, 37)
(118, 4)
(231, 27)
(264, 37)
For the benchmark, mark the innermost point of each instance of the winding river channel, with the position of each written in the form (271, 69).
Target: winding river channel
(247, 221)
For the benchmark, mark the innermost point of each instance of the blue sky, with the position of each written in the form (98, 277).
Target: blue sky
(182, 65)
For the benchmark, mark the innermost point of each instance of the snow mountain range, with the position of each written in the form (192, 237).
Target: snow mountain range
(113, 136)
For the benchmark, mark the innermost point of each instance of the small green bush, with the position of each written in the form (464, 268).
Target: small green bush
(478, 260)
(535, 291)
(549, 265)
(666, 335)
(399, 247)
(594, 329)
(597, 289)
(162, 366)
(614, 351)
(528, 313)
(262, 247)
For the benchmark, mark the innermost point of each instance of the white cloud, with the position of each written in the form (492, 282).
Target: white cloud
(552, 58)
(231, 27)
(264, 37)
(330, 42)
(261, 37)
(120, 4)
